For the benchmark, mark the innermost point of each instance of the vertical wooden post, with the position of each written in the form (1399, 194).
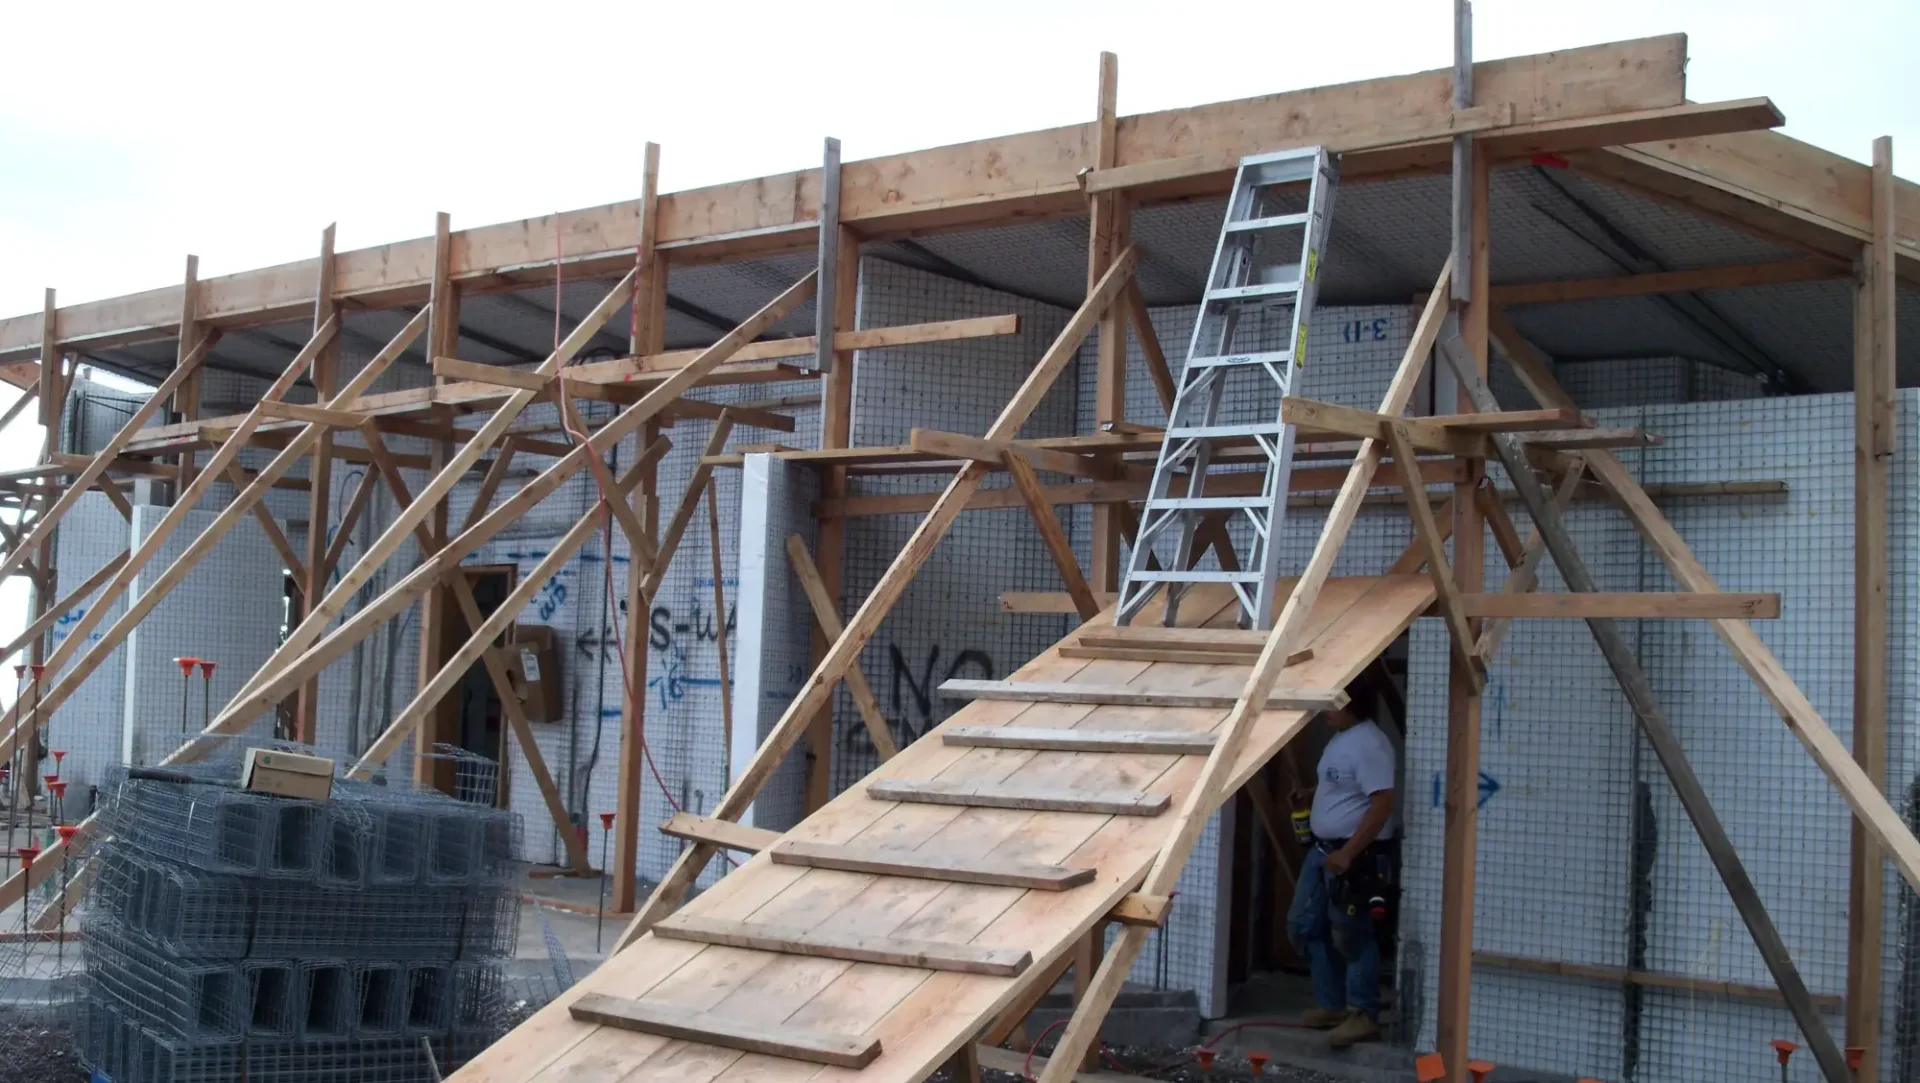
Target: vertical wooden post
(53, 395)
(647, 334)
(443, 334)
(836, 431)
(1463, 701)
(836, 310)
(320, 486)
(1108, 228)
(186, 397)
(1873, 449)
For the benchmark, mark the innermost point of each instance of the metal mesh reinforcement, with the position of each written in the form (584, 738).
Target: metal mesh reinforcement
(234, 935)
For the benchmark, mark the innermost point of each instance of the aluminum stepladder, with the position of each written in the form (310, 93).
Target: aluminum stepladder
(1249, 338)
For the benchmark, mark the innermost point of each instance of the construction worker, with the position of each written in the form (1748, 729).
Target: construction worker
(1348, 872)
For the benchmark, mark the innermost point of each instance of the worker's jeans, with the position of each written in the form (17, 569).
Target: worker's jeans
(1339, 946)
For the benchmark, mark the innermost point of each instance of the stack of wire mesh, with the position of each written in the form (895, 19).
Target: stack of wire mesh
(237, 935)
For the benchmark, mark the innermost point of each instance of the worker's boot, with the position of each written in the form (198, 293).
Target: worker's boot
(1355, 1029)
(1323, 1018)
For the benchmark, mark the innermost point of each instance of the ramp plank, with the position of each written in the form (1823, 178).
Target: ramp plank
(1225, 656)
(794, 1043)
(1047, 738)
(734, 836)
(1032, 798)
(1026, 874)
(851, 947)
(1296, 699)
(919, 1016)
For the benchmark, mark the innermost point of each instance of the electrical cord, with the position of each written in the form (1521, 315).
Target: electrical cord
(606, 504)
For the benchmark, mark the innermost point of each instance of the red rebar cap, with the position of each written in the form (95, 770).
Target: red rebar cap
(57, 753)
(1205, 1057)
(19, 671)
(1856, 1055)
(1429, 1067)
(49, 779)
(58, 786)
(1478, 1069)
(1783, 1049)
(606, 821)
(28, 853)
(39, 669)
(186, 665)
(66, 831)
(1258, 1062)
(206, 668)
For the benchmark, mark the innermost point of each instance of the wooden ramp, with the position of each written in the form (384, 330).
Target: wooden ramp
(962, 940)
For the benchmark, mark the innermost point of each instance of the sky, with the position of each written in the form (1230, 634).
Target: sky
(134, 133)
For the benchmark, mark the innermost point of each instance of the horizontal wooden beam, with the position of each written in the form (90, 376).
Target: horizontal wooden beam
(1620, 975)
(953, 445)
(1363, 137)
(1036, 174)
(1055, 739)
(453, 368)
(1626, 606)
(750, 363)
(1012, 795)
(1512, 421)
(1467, 439)
(1776, 185)
(1303, 480)
(999, 872)
(747, 1036)
(312, 415)
(850, 947)
(1739, 276)
(734, 836)
(1283, 699)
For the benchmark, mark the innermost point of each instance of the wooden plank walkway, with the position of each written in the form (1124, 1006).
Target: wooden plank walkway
(921, 1017)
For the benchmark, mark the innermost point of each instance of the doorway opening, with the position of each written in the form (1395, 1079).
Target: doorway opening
(1266, 974)
(469, 720)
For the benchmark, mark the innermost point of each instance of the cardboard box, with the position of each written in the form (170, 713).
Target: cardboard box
(287, 774)
(535, 667)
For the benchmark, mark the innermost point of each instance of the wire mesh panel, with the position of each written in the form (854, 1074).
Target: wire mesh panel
(233, 935)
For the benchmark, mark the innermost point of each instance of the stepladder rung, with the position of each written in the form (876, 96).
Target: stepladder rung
(1255, 292)
(1236, 360)
(1195, 575)
(1272, 221)
(1219, 432)
(1209, 503)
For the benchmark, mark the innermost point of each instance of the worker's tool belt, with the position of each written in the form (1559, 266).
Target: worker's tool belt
(1368, 883)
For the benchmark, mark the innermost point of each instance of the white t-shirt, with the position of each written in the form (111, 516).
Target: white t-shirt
(1357, 763)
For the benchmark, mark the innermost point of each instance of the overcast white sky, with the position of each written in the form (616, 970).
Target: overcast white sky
(134, 133)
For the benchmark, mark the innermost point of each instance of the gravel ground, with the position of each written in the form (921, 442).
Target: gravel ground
(1177, 1066)
(34, 1051)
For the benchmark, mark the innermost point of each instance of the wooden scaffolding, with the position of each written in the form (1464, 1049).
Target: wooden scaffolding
(1119, 741)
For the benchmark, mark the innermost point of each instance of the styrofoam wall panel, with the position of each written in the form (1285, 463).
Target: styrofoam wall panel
(1557, 835)
(948, 623)
(87, 726)
(226, 609)
(775, 625)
